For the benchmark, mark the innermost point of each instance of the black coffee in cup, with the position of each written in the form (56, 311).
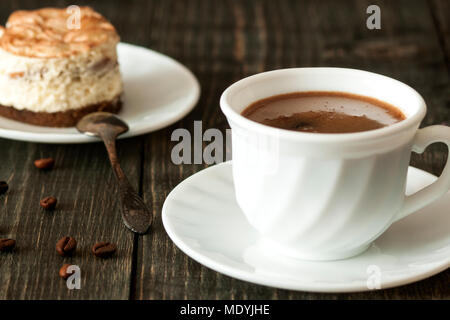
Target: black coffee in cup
(323, 112)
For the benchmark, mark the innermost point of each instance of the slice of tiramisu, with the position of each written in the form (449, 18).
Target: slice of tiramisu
(56, 67)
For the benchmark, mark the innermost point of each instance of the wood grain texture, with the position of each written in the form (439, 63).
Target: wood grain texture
(234, 39)
(87, 210)
(440, 10)
(221, 42)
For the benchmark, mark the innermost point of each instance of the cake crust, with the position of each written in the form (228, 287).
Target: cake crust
(59, 119)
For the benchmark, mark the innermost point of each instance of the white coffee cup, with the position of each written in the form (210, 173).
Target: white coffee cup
(327, 196)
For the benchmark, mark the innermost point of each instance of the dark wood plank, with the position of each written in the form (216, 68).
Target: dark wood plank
(84, 185)
(88, 210)
(225, 41)
(440, 9)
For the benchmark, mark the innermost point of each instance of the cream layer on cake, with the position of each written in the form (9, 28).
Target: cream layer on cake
(59, 84)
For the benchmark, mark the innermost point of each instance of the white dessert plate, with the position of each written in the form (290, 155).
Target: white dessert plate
(158, 91)
(203, 219)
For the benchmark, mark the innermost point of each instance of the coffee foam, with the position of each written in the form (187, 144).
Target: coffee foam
(349, 104)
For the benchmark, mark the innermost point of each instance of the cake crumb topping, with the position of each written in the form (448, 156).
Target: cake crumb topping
(48, 32)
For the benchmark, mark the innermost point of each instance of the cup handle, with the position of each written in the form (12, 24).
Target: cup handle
(420, 199)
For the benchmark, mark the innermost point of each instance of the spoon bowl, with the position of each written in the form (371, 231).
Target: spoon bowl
(97, 123)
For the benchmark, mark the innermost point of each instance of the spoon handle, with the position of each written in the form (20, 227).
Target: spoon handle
(135, 213)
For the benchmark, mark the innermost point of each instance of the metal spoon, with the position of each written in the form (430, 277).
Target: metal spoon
(107, 126)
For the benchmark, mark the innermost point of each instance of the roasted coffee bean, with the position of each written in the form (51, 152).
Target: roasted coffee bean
(45, 164)
(3, 187)
(48, 203)
(66, 246)
(7, 245)
(63, 271)
(104, 249)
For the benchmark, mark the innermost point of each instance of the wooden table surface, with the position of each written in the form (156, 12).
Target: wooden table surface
(221, 42)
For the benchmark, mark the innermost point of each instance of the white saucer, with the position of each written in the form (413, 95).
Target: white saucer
(158, 92)
(203, 219)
